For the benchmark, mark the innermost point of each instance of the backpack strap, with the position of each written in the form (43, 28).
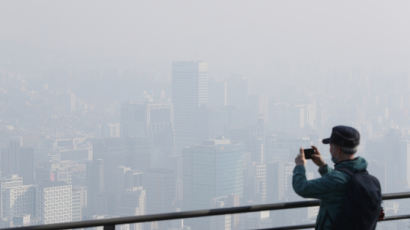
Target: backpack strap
(351, 172)
(346, 170)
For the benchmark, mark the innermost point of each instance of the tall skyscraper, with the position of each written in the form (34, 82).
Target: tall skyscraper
(150, 125)
(189, 93)
(17, 160)
(213, 169)
(160, 126)
(275, 181)
(132, 152)
(259, 186)
(95, 187)
(161, 190)
(145, 119)
(9, 159)
(26, 169)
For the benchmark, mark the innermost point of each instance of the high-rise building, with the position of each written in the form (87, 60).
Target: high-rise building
(17, 200)
(70, 172)
(55, 203)
(26, 165)
(134, 120)
(17, 160)
(160, 126)
(393, 165)
(150, 125)
(79, 202)
(10, 159)
(189, 93)
(226, 222)
(133, 202)
(95, 187)
(260, 182)
(132, 152)
(145, 119)
(275, 181)
(213, 169)
(161, 190)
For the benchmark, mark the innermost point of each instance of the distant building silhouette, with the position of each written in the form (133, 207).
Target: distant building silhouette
(95, 187)
(150, 123)
(189, 93)
(15, 159)
(17, 200)
(133, 203)
(161, 190)
(213, 169)
(134, 119)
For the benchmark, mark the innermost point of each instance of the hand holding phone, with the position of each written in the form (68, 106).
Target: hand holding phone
(317, 159)
(308, 153)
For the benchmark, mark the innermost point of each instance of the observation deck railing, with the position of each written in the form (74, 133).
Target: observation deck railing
(109, 224)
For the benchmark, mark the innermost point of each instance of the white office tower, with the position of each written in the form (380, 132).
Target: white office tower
(17, 200)
(189, 94)
(55, 203)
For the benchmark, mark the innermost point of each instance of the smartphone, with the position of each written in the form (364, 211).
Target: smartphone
(308, 153)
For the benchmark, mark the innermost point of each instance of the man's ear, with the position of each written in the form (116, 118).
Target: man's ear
(338, 150)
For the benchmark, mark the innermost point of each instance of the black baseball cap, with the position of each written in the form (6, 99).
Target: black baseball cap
(345, 137)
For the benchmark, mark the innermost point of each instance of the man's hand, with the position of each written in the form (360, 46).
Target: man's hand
(317, 158)
(300, 159)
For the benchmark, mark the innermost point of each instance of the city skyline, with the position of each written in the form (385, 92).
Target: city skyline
(140, 107)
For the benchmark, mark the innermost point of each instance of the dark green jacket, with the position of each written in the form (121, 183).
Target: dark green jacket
(330, 188)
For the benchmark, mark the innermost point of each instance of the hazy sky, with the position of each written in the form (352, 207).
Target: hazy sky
(256, 38)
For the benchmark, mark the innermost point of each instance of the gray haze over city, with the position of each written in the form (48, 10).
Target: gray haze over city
(122, 108)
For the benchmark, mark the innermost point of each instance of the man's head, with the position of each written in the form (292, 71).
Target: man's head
(343, 141)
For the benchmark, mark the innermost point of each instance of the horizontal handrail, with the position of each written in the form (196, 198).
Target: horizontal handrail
(308, 226)
(111, 222)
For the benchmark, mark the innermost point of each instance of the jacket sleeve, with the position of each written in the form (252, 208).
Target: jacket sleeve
(325, 169)
(316, 188)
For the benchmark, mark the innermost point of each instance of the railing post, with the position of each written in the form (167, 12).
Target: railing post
(109, 227)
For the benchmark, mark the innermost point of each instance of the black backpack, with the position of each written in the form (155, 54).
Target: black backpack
(362, 202)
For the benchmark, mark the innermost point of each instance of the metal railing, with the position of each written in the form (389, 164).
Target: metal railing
(109, 224)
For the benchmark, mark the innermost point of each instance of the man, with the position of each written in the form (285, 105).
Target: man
(334, 185)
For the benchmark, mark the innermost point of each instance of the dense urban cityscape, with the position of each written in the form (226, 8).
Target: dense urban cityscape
(211, 118)
(211, 144)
